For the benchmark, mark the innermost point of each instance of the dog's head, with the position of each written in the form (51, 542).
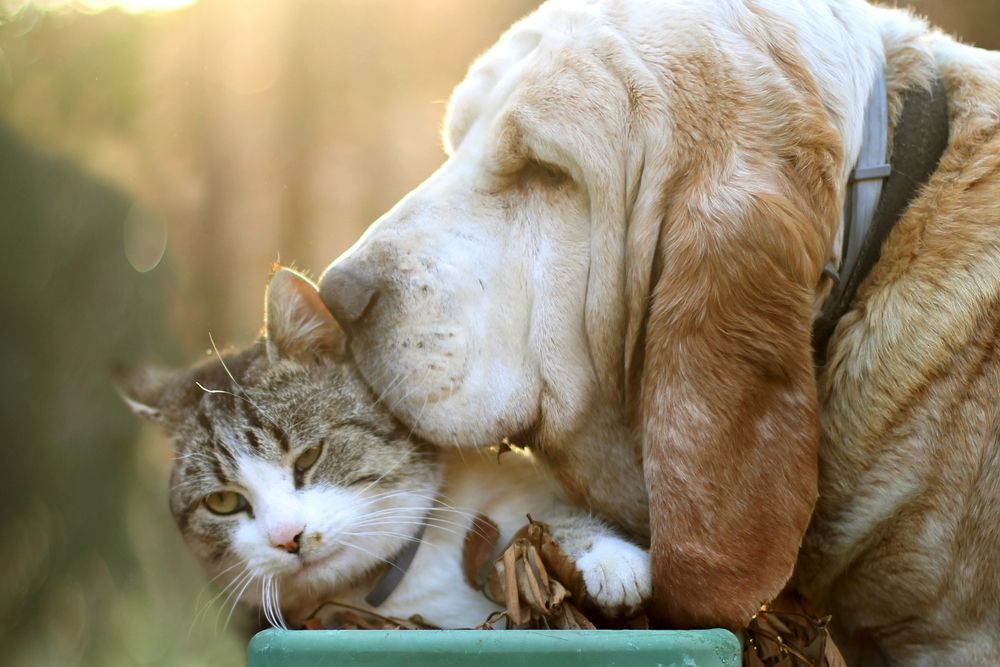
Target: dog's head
(637, 203)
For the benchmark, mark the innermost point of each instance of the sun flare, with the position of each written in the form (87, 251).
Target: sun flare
(96, 6)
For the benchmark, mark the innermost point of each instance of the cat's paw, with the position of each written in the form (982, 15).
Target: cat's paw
(618, 575)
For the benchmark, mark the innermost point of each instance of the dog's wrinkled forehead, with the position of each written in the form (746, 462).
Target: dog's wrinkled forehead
(516, 95)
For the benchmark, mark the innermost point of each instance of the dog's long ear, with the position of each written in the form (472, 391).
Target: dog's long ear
(741, 208)
(728, 409)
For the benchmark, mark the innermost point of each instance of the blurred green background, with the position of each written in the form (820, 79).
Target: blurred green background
(155, 157)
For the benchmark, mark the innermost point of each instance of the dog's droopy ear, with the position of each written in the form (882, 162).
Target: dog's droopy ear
(297, 323)
(728, 409)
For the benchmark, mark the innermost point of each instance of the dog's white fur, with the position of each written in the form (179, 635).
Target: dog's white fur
(520, 284)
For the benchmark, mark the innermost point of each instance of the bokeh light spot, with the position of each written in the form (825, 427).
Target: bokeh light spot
(145, 238)
(250, 61)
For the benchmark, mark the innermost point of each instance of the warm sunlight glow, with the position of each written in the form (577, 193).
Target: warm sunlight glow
(12, 7)
(136, 6)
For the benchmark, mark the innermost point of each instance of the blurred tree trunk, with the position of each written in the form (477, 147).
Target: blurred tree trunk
(72, 306)
(212, 265)
(297, 131)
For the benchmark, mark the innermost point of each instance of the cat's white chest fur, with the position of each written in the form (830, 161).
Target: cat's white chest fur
(475, 483)
(616, 572)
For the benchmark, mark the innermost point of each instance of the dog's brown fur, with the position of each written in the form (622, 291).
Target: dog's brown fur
(910, 407)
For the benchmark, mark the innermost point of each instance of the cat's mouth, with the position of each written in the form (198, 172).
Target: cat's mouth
(310, 565)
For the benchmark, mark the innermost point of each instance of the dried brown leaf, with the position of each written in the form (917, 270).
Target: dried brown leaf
(539, 584)
(832, 656)
(340, 616)
(562, 568)
(788, 633)
(477, 549)
(517, 612)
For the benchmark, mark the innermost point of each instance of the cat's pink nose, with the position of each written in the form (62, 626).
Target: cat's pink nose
(286, 537)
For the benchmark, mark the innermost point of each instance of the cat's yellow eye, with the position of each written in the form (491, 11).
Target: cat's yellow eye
(226, 502)
(308, 458)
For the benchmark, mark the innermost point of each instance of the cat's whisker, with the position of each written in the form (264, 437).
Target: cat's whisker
(191, 455)
(403, 536)
(414, 514)
(375, 533)
(199, 480)
(263, 600)
(222, 572)
(375, 497)
(236, 601)
(438, 503)
(398, 463)
(240, 397)
(270, 599)
(418, 510)
(411, 492)
(237, 385)
(425, 517)
(211, 339)
(407, 520)
(244, 576)
(440, 524)
(445, 500)
(202, 607)
(402, 512)
(444, 529)
(276, 604)
(215, 391)
(268, 602)
(369, 553)
(232, 582)
(205, 461)
(373, 501)
(416, 422)
(400, 377)
(200, 457)
(416, 386)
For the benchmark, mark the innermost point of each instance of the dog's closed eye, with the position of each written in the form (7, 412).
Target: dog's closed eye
(546, 172)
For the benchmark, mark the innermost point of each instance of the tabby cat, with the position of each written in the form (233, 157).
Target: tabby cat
(294, 486)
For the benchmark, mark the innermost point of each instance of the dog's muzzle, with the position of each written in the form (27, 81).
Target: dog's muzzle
(349, 288)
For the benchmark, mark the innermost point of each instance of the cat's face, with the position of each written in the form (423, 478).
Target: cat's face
(289, 481)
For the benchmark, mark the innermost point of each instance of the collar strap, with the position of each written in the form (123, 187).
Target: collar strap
(878, 193)
(398, 567)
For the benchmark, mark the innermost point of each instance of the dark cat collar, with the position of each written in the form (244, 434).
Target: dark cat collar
(398, 566)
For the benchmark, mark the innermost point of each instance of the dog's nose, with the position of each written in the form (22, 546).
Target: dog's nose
(348, 288)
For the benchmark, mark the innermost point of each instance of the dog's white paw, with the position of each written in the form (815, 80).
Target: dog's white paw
(618, 575)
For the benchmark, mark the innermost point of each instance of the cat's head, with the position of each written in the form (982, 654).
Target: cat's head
(289, 479)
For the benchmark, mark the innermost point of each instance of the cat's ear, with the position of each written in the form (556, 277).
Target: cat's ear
(297, 323)
(143, 388)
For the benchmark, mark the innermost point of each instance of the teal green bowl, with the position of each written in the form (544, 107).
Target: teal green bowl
(495, 648)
